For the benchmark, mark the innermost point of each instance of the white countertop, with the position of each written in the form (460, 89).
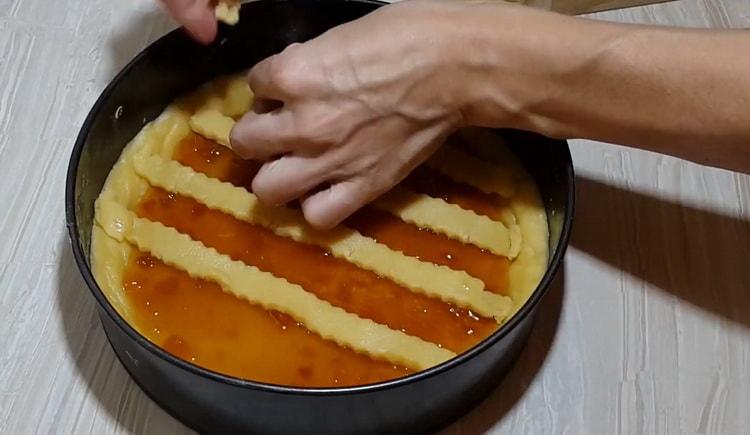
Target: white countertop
(647, 330)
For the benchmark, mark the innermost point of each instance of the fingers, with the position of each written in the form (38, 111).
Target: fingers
(282, 119)
(197, 16)
(326, 209)
(262, 136)
(266, 130)
(329, 207)
(288, 178)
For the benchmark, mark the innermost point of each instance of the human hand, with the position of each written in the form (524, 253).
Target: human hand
(361, 106)
(197, 16)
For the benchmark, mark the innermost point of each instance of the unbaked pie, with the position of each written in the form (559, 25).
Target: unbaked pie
(187, 255)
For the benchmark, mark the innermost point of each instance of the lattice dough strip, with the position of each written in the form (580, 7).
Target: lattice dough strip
(432, 280)
(270, 292)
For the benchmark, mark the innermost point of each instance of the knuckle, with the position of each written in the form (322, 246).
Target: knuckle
(257, 70)
(379, 181)
(316, 217)
(283, 73)
(288, 69)
(292, 48)
(308, 126)
(292, 51)
(318, 128)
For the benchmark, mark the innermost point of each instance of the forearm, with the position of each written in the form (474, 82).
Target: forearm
(680, 92)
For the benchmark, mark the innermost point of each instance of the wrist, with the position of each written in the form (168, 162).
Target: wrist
(525, 67)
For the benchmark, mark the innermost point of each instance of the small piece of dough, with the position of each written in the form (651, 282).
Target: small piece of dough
(228, 11)
(238, 99)
(426, 278)
(272, 293)
(450, 220)
(463, 168)
(232, 98)
(212, 124)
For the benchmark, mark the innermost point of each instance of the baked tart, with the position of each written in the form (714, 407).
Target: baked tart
(191, 259)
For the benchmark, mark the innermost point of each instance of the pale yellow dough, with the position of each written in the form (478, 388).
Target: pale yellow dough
(529, 266)
(452, 221)
(237, 100)
(212, 124)
(109, 256)
(262, 288)
(421, 277)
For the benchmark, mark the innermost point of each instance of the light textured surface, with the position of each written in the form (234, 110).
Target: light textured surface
(647, 331)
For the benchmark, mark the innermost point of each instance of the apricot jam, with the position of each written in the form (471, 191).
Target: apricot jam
(196, 321)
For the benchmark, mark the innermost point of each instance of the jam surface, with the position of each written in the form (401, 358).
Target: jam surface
(196, 321)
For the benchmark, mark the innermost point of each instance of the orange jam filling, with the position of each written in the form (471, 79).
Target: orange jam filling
(198, 322)
(435, 248)
(341, 283)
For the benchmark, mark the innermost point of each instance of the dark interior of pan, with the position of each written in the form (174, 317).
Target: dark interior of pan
(214, 403)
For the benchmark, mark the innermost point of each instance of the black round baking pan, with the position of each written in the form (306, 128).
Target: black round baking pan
(213, 403)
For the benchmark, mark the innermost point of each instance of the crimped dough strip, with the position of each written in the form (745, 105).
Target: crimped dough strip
(421, 277)
(249, 283)
(237, 99)
(450, 161)
(452, 221)
(461, 167)
(214, 119)
(212, 124)
(421, 210)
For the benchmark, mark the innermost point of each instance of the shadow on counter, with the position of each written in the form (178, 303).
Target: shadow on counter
(646, 237)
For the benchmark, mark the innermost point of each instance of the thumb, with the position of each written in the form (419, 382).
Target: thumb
(197, 16)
